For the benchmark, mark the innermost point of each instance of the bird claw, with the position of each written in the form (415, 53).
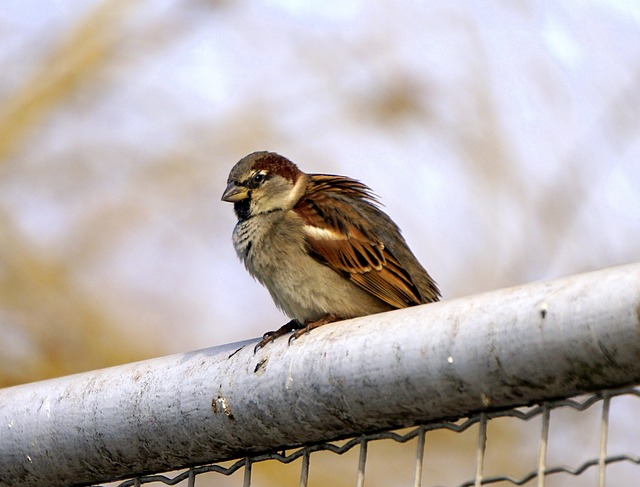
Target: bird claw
(268, 334)
(272, 335)
(296, 327)
(310, 325)
(297, 334)
(261, 344)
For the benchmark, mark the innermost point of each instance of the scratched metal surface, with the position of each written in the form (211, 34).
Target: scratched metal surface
(445, 360)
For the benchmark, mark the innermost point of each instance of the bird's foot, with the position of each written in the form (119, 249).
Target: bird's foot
(311, 324)
(270, 336)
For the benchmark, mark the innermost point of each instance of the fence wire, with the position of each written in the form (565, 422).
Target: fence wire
(542, 469)
(507, 362)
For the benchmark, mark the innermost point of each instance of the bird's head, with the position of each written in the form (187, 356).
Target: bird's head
(264, 182)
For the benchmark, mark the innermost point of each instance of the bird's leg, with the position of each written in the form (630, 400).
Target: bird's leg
(272, 335)
(311, 324)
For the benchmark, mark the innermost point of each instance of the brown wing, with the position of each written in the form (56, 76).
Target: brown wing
(341, 238)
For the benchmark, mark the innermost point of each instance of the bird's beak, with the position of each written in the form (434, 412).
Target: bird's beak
(234, 193)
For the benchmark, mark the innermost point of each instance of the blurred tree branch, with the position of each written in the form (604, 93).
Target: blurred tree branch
(64, 328)
(75, 59)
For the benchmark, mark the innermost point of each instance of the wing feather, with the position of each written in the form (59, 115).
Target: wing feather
(340, 237)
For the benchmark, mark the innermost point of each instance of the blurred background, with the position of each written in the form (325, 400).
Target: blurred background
(503, 138)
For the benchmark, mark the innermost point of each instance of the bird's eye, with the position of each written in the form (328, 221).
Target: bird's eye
(258, 178)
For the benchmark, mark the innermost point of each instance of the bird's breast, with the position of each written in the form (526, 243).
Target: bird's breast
(263, 242)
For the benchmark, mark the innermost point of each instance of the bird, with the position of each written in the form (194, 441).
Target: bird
(320, 244)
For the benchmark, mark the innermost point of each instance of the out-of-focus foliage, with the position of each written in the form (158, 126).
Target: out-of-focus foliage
(504, 140)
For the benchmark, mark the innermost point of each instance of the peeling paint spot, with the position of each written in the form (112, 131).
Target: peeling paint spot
(29, 459)
(235, 352)
(289, 377)
(543, 310)
(221, 401)
(486, 400)
(47, 407)
(450, 359)
(261, 366)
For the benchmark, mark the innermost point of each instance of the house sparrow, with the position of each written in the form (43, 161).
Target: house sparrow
(320, 244)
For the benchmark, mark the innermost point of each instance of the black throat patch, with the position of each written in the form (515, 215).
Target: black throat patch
(242, 209)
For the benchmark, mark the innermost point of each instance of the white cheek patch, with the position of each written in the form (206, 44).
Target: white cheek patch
(322, 233)
(296, 191)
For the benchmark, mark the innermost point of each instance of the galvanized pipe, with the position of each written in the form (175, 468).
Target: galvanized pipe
(445, 360)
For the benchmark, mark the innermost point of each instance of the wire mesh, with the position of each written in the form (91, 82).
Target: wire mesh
(559, 437)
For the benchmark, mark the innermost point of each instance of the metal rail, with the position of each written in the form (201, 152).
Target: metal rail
(444, 360)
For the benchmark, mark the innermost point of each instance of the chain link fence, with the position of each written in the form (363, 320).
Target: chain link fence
(535, 386)
(544, 470)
